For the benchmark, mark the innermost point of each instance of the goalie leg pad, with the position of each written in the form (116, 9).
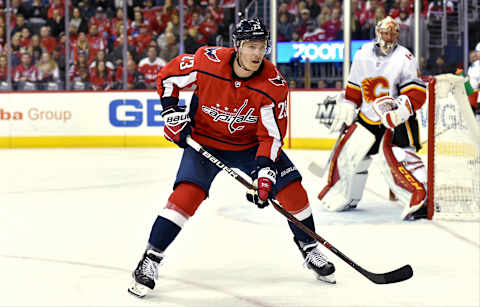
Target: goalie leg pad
(405, 174)
(348, 170)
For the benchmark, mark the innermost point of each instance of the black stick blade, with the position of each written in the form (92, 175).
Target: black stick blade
(398, 275)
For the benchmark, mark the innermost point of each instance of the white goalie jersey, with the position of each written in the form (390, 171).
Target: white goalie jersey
(373, 76)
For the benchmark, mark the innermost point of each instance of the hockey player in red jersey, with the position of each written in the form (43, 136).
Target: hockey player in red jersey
(239, 113)
(384, 89)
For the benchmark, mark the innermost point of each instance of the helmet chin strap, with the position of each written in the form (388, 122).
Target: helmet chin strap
(242, 66)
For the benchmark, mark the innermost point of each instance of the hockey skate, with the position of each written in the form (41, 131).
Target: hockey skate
(146, 273)
(317, 262)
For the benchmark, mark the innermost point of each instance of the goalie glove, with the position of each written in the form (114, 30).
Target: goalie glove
(266, 178)
(344, 113)
(177, 125)
(393, 112)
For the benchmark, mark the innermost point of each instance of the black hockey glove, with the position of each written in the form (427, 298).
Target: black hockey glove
(265, 181)
(177, 125)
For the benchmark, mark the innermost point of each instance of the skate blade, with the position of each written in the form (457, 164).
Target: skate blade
(328, 279)
(138, 290)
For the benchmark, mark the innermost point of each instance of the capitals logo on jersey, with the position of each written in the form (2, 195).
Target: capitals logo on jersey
(278, 80)
(211, 54)
(232, 118)
(374, 88)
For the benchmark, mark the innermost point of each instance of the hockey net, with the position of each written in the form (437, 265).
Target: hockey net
(453, 151)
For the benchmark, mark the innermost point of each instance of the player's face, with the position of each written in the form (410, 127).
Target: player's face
(251, 54)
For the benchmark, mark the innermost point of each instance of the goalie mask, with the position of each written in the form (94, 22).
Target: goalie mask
(251, 30)
(387, 31)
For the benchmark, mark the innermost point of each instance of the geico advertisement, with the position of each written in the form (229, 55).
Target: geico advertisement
(133, 114)
(77, 114)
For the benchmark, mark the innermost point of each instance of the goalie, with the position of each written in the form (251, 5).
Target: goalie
(383, 92)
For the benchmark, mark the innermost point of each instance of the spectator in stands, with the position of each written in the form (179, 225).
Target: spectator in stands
(157, 26)
(191, 43)
(314, 8)
(217, 15)
(16, 48)
(172, 50)
(78, 21)
(405, 22)
(292, 6)
(55, 5)
(59, 57)
(143, 39)
(101, 56)
(82, 45)
(117, 21)
(26, 74)
(195, 21)
(284, 29)
(36, 14)
(56, 23)
(324, 16)
(339, 84)
(151, 65)
(379, 15)
(3, 67)
(135, 79)
(102, 23)
(301, 24)
(208, 29)
(174, 24)
(87, 9)
(138, 21)
(95, 40)
(100, 78)
(25, 38)
(46, 40)
(35, 48)
(3, 37)
(149, 10)
(283, 9)
(47, 69)
(19, 24)
(332, 26)
(322, 84)
(314, 33)
(74, 70)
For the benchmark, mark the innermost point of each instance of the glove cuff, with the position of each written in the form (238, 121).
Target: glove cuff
(268, 173)
(168, 102)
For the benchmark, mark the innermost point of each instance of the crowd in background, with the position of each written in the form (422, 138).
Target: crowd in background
(96, 36)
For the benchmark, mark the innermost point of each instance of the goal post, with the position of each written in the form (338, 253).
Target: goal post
(453, 181)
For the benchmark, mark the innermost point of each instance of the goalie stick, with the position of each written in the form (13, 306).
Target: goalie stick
(400, 274)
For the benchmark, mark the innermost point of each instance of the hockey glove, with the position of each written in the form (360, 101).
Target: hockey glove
(344, 113)
(266, 178)
(177, 125)
(393, 112)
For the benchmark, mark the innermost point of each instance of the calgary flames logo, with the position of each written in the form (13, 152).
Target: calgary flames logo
(374, 88)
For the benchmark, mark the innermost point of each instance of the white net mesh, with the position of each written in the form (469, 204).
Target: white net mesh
(457, 152)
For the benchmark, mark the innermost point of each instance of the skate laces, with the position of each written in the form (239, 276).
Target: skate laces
(150, 268)
(316, 258)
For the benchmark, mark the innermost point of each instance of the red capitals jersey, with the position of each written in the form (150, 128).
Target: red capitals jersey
(229, 113)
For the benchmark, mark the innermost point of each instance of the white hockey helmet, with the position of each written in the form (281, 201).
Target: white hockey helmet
(387, 31)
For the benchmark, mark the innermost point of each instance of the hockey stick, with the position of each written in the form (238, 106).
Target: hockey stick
(316, 169)
(397, 275)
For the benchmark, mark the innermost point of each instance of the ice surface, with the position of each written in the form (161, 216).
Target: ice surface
(74, 223)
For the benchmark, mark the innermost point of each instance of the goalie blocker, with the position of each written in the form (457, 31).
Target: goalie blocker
(403, 170)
